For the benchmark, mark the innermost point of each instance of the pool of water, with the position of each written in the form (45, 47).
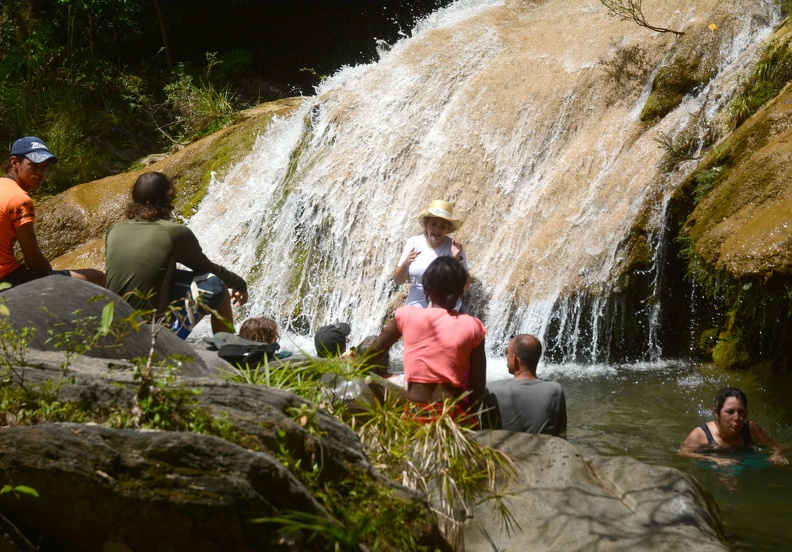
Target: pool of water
(646, 411)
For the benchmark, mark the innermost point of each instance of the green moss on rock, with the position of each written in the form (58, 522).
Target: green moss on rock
(729, 353)
(672, 83)
(693, 62)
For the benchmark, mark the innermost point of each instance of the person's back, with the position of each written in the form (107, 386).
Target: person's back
(530, 406)
(139, 253)
(525, 403)
(141, 256)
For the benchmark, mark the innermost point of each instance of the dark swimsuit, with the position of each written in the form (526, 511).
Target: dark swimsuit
(746, 436)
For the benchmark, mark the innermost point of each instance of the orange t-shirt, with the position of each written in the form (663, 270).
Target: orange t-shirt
(16, 209)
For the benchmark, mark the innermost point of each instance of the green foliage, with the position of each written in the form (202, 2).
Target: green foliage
(158, 402)
(770, 74)
(62, 78)
(19, 489)
(705, 181)
(439, 459)
(343, 537)
(786, 6)
(231, 63)
(199, 107)
(83, 334)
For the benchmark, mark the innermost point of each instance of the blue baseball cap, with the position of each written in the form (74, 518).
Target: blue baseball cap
(34, 149)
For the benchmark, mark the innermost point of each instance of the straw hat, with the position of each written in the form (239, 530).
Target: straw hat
(443, 210)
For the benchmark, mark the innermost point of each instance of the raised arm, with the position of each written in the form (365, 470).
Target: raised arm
(402, 270)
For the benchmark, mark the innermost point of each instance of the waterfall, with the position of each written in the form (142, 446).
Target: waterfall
(523, 114)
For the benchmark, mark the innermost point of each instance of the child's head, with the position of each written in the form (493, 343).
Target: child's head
(261, 329)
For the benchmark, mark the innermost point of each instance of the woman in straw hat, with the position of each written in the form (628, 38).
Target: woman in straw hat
(438, 221)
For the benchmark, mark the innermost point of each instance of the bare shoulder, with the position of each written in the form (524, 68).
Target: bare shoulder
(695, 440)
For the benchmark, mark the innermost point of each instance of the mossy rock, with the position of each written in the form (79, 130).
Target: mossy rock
(672, 83)
(691, 64)
(708, 340)
(729, 353)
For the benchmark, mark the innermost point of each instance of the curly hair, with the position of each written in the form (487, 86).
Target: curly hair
(152, 197)
(260, 329)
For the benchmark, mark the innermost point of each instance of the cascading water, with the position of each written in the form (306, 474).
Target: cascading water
(525, 115)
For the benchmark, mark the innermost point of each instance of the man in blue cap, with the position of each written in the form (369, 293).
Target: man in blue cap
(25, 169)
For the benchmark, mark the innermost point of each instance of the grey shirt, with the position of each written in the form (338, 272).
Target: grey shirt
(531, 406)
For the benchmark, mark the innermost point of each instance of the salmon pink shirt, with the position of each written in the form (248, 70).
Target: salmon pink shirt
(438, 344)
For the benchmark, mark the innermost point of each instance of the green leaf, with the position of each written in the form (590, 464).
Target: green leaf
(24, 489)
(107, 318)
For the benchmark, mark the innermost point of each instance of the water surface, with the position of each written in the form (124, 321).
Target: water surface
(646, 411)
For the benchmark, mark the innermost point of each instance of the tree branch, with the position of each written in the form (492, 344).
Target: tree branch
(630, 10)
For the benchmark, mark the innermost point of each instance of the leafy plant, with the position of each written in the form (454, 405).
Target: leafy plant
(770, 74)
(440, 459)
(19, 489)
(342, 537)
(705, 181)
(84, 333)
(200, 108)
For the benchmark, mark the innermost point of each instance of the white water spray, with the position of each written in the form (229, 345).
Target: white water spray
(525, 116)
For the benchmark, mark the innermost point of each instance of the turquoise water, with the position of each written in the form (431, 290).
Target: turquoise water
(646, 411)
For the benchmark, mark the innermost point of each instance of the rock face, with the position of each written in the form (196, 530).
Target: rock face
(113, 489)
(742, 227)
(563, 501)
(101, 488)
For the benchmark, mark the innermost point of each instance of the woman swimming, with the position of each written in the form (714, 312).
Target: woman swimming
(729, 431)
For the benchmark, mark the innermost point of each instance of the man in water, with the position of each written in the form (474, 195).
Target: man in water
(525, 403)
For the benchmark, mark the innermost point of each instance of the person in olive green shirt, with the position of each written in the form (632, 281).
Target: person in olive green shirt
(140, 262)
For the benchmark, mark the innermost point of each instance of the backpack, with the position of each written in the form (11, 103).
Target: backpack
(252, 355)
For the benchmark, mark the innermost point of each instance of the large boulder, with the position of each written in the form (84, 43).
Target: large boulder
(561, 500)
(66, 313)
(106, 489)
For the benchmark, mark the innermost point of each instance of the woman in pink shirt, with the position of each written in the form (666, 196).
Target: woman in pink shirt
(443, 349)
